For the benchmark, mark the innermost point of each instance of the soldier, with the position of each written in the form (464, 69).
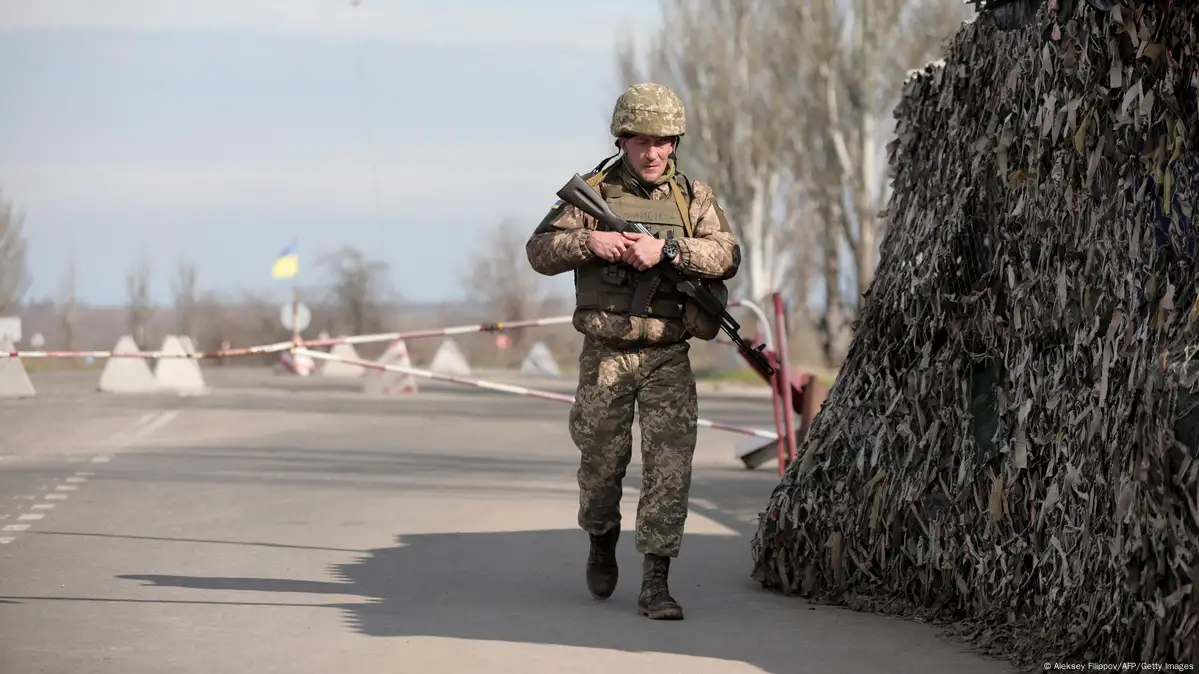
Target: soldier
(635, 349)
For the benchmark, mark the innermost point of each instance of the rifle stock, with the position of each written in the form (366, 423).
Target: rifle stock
(579, 194)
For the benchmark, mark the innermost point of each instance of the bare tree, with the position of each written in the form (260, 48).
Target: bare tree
(240, 318)
(852, 58)
(183, 288)
(845, 63)
(710, 52)
(500, 277)
(359, 288)
(788, 107)
(14, 271)
(809, 147)
(68, 305)
(139, 309)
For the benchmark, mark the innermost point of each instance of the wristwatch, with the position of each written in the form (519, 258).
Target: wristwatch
(669, 249)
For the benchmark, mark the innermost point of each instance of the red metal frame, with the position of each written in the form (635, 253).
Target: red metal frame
(784, 380)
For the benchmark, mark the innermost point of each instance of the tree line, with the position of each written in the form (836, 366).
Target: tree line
(789, 117)
(355, 296)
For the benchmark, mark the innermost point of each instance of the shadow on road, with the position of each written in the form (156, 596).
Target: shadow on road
(131, 537)
(527, 587)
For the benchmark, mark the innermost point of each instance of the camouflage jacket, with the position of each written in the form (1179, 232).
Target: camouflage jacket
(559, 244)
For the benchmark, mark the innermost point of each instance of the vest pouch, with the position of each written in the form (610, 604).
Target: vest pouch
(615, 275)
(700, 323)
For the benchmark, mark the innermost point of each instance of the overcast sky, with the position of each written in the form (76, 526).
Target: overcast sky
(219, 130)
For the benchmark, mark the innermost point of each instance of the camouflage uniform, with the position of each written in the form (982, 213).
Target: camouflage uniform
(629, 360)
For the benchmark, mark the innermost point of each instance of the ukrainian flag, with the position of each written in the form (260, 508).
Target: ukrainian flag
(287, 264)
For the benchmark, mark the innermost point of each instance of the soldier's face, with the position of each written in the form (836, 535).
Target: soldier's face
(648, 155)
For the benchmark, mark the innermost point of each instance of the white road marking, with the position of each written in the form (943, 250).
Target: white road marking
(162, 420)
(146, 425)
(119, 437)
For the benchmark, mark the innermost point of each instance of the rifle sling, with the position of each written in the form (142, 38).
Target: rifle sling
(684, 210)
(643, 294)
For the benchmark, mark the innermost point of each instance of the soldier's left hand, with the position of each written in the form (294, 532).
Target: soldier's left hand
(645, 252)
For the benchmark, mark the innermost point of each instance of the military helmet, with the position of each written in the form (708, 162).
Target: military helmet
(648, 109)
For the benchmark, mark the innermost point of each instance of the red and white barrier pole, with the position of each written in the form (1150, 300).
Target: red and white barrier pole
(506, 388)
(247, 351)
(437, 332)
(286, 346)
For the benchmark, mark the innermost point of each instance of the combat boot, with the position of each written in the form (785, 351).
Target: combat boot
(601, 564)
(655, 601)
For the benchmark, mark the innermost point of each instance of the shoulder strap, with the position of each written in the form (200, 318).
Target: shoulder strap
(684, 207)
(686, 183)
(596, 178)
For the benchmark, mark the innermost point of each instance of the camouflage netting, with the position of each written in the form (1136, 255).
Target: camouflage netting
(1010, 445)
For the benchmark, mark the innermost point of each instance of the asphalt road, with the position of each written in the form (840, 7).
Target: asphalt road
(293, 526)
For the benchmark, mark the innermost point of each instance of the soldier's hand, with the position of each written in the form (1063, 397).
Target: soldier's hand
(608, 245)
(645, 251)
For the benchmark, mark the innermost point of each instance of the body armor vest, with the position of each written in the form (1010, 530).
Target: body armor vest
(611, 286)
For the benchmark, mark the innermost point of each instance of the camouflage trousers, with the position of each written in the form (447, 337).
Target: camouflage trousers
(658, 381)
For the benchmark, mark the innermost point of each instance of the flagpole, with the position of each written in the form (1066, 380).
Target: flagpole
(295, 314)
(295, 298)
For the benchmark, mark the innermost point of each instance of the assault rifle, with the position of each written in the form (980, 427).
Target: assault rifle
(579, 194)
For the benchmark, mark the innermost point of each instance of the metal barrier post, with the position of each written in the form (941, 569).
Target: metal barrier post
(784, 379)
